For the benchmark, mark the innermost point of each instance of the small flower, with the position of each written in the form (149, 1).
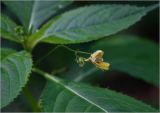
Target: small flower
(97, 60)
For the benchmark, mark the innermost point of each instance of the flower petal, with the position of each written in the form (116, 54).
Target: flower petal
(102, 65)
(97, 54)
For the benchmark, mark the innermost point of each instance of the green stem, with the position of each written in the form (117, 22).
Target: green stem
(46, 75)
(31, 100)
(75, 51)
(51, 51)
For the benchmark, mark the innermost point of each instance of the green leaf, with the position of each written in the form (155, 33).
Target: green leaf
(15, 69)
(7, 28)
(133, 55)
(21, 9)
(43, 10)
(33, 13)
(66, 96)
(90, 23)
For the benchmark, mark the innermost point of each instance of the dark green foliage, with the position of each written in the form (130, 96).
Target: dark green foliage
(65, 96)
(133, 55)
(40, 21)
(15, 70)
(98, 21)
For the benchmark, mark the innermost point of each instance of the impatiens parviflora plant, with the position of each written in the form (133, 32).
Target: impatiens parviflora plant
(96, 58)
(78, 25)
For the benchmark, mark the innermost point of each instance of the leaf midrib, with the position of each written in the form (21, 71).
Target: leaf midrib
(8, 56)
(56, 80)
(31, 15)
(93, 25)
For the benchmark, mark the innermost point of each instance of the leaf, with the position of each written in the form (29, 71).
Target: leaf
(15, 69)
(43, 10)
(90, 23)
(66, 96)
(7, 28)
(133, 55)
(21, 9)
(33, 13)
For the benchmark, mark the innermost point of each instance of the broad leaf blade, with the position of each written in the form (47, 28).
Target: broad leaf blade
(33, 13)
(133, 55)
(7, 28)
(22, 9)
(42, 10)
(15, 69)
(91, 22)
(65, 96)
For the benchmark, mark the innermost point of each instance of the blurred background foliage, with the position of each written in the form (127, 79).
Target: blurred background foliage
(62, 62)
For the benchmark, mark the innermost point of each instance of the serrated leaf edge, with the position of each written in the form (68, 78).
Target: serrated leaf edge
(22, 86)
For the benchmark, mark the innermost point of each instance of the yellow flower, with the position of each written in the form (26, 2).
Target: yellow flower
(97, 60)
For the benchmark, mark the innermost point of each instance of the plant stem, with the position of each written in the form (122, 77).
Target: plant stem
(51, 51)
(46, 75)
(30, 99)
(75, 51)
